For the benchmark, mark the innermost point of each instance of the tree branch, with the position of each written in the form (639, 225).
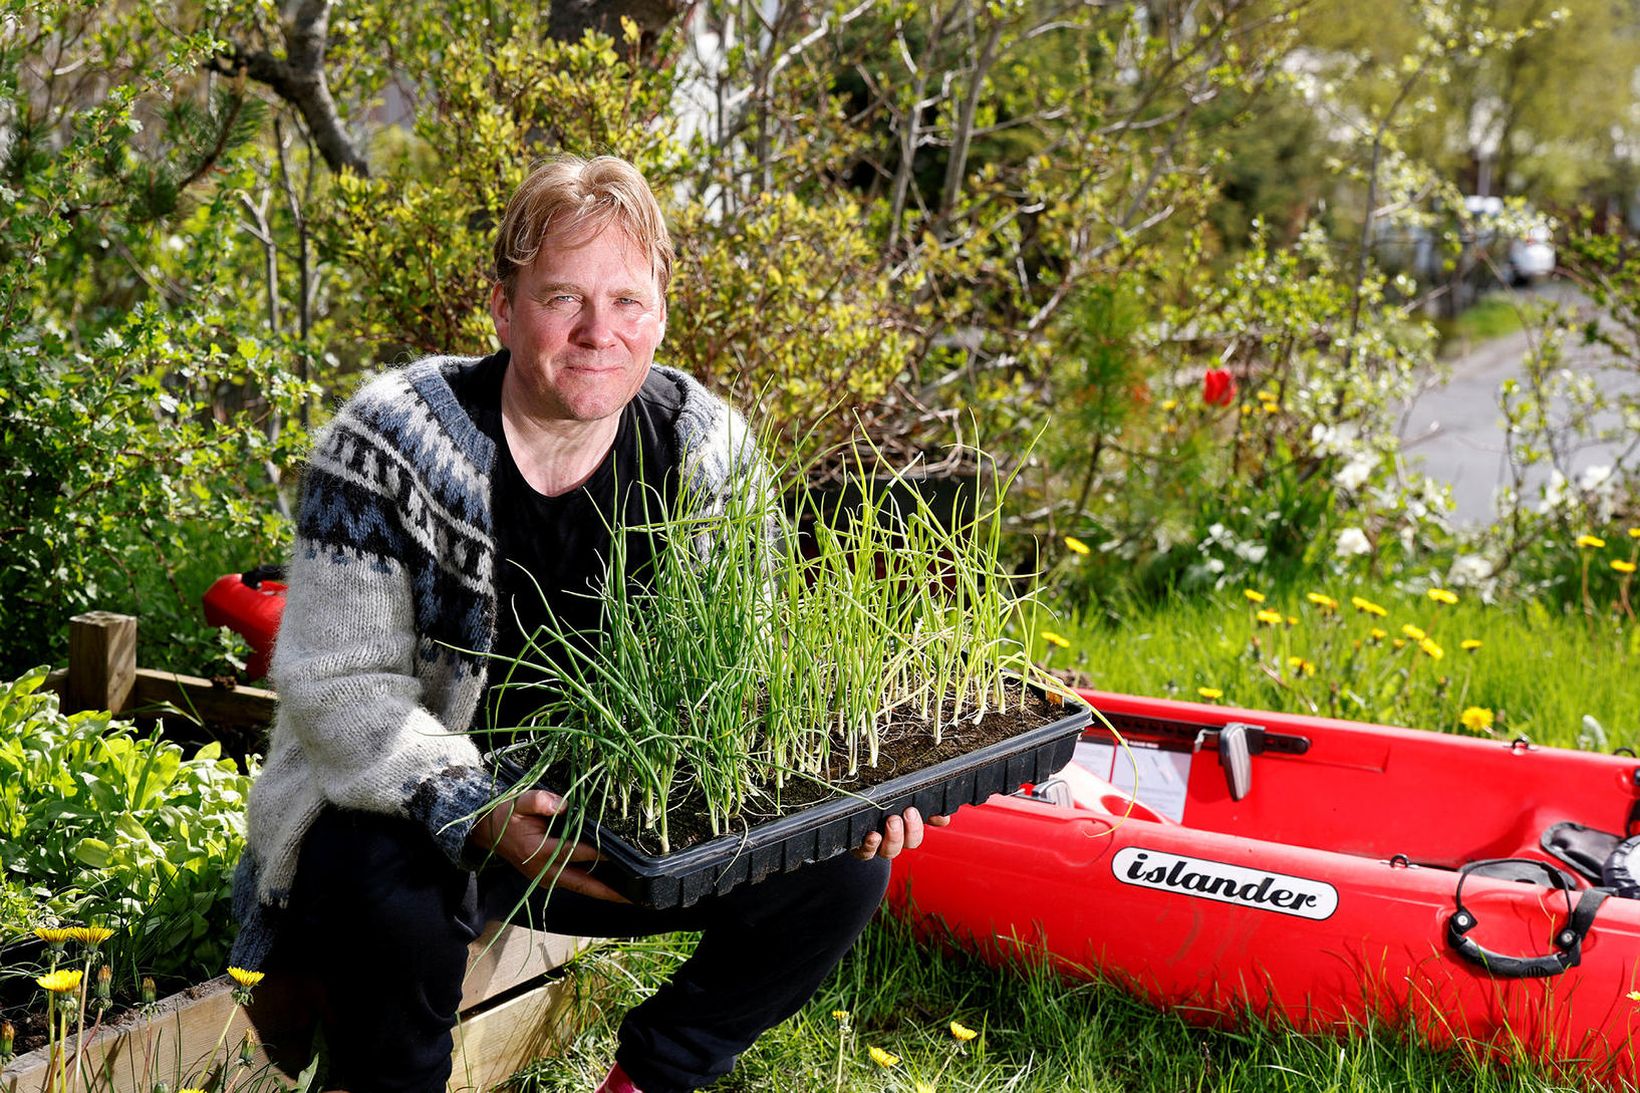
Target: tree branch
(299, 79)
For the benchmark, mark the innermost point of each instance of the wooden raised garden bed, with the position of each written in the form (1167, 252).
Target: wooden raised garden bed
(515, 1005)
(514, 1009)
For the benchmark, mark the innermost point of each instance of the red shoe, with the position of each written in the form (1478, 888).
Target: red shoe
(617, 1082)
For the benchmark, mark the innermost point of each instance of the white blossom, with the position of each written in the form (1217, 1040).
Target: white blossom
(1356, 471)
(1351, 542)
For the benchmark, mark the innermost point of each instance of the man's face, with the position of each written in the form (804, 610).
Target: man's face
(582, 325)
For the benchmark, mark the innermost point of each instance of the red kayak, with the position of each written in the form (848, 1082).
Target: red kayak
(1224, 860)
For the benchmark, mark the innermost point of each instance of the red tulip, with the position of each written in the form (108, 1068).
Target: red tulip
(1218, 387)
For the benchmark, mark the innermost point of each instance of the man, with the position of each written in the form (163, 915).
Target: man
(432, 505)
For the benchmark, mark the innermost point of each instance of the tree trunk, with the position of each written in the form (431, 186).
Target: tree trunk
(569, 20)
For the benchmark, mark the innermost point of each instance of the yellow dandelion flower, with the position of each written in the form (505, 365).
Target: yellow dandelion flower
(61, 981)
(1399, 643)
(883, 1058)
(1361, 603)
(1272, 408)
(1253, 596)
(1210, 693)
(1266, 396)
(1246, 408)
(1056, 639)
(1469, 645)
(1441, 595)
(1378, 633)
(1268, 617)
(190, 1091)
(1077, 546)
(1170, 404)
(1634, 533)
(1292, 620)
(962, 1032)
(245, 978)
(1633, 996)
(1325, 602)
(1622, 567)
(1430, 649)
(55, 936)
(91, 935)
(1476, 719)
(1301, 666)
(924, 1087)
(840, 1016)
(1588, 541)
(1416, 633)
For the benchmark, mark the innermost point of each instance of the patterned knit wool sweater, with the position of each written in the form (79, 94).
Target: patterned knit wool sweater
(380, 662)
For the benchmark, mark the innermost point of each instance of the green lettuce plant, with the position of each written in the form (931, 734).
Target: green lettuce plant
(99, 822)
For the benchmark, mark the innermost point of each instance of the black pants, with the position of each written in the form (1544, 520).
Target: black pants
(381, 920)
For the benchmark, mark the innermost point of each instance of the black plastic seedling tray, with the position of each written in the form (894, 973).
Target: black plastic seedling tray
(836, 825)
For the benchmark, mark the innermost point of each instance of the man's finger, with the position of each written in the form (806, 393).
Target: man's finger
(540, 802)
(577, 880)
(937, 821)
(913, 829)
(868, 848)
(893, 837)
(583, 852)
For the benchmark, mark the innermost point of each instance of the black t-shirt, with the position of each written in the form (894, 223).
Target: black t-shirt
(557, 548)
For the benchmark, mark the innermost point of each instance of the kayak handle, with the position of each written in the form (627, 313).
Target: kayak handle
(1568, 940)
(253, 578)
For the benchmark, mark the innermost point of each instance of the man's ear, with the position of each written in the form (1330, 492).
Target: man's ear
(501, 313)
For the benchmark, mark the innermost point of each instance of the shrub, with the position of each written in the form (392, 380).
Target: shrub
(106, 825)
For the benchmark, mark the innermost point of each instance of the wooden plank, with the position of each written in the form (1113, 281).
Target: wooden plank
(496, 1043)
(249, 707)
(506, 956)
(102, 661)
(177, 1044)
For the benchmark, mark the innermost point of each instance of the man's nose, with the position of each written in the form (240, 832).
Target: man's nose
(596, 326)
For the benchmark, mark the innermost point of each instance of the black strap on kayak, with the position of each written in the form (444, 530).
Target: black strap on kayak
(1568, 941)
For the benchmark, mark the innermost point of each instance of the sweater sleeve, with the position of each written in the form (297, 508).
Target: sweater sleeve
(356, 675)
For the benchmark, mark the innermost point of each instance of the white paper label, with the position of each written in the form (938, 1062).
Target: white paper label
(1203, 879)
(1159, 779)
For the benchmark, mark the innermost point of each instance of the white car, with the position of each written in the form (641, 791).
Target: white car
(1532, 256)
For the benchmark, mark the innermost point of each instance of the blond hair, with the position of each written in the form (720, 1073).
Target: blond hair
(581, 198)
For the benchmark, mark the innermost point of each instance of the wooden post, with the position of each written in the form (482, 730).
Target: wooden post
(102, 661)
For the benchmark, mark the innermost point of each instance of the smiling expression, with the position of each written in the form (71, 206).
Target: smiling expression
(582, 325)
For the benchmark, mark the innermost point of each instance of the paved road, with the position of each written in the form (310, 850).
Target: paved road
(1454, 432)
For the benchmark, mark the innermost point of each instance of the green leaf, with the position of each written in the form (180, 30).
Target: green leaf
(93, 853)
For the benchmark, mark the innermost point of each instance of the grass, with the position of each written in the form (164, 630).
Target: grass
(1037, 1032)
(1492, 316)
(1536, 671)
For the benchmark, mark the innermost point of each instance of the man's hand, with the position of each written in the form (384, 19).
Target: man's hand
(902, 832)
(517, 831)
